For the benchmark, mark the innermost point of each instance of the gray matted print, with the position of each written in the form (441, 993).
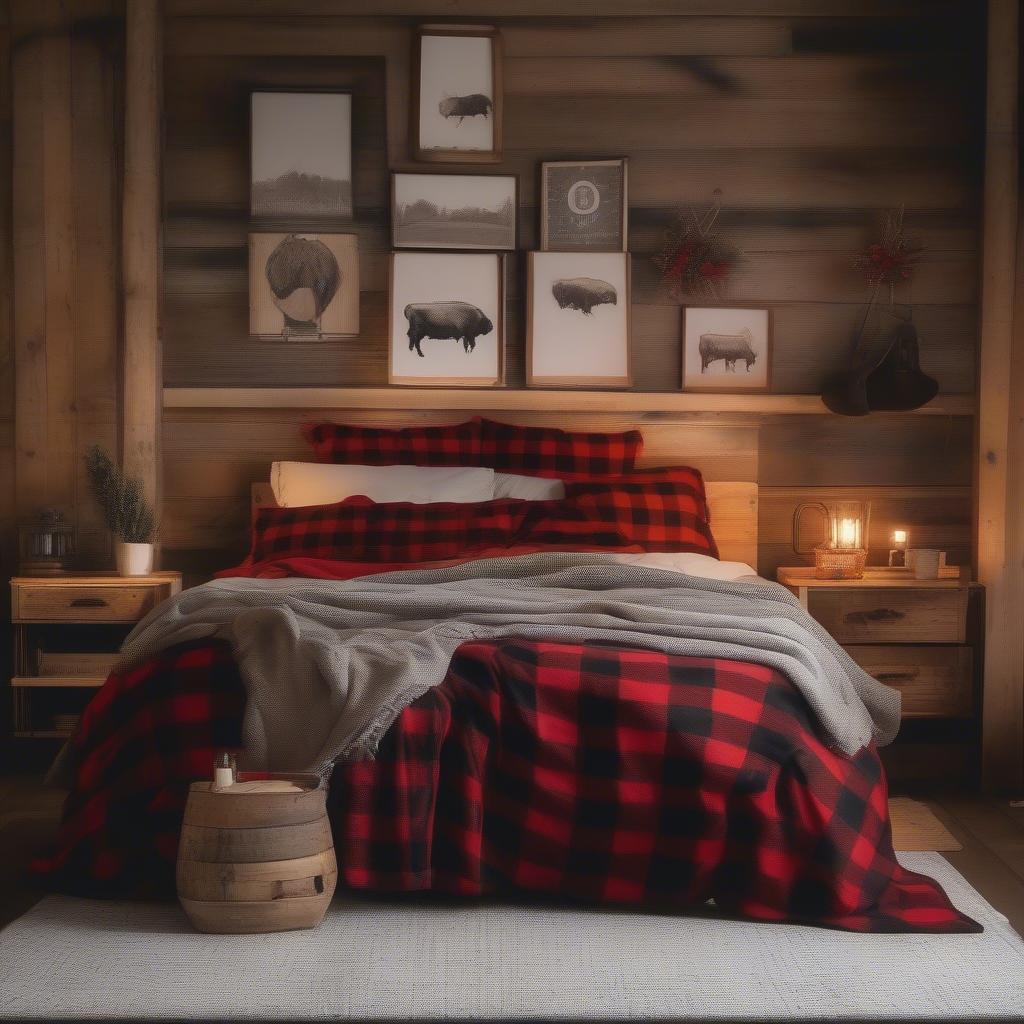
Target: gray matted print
(583, 206)
(301, 155)
(454, 211)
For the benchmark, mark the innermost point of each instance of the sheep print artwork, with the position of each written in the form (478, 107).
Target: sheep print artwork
(446, 319)
(726, 349)
(303, 287)
(579, 319)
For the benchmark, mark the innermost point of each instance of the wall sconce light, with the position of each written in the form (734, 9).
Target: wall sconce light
(844, 552)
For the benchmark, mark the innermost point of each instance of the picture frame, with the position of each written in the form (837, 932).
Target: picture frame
(282, 304)
(717, 345)
(456, 89)
(300, 155)
(578, 320)
(446, 319)
(441, 224)
(584, 205)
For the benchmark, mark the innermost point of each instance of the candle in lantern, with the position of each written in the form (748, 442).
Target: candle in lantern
(847, 533)
(898, 550)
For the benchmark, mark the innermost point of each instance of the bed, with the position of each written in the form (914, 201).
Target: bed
(559, 719)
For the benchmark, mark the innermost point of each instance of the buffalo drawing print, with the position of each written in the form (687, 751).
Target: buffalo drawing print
(726, 349)
(451, 319)
(303, 287)
(578, 326)
(730, 348)
(446, 318)
(458, 81)
(461, 107)
(583, 293)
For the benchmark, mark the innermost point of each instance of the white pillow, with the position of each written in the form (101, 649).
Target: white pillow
(532, 488)
(314, 483)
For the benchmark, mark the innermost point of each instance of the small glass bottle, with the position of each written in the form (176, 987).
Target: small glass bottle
(223, 770)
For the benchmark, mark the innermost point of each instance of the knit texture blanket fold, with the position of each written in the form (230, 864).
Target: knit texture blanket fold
(329, 665)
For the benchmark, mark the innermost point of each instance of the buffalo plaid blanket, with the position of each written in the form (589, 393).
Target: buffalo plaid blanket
(576, 771)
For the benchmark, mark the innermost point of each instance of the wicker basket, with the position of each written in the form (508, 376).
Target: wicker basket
(839, 563)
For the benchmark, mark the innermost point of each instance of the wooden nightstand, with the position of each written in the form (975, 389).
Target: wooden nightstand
(915, 635)
(67, 630)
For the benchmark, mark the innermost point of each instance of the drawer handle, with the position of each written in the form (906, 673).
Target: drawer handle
(88, 602)
(875, 615)
(898, 677)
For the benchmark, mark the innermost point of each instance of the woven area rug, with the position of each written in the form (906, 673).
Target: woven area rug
(83, 958)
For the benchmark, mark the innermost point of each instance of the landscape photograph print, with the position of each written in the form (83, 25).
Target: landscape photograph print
(726, 349)
(456, 111)
(446, 319)
(301, 155)
(454, 211)
(578, 319)
(303, 287)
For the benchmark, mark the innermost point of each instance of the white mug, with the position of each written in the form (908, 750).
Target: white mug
(926, 563)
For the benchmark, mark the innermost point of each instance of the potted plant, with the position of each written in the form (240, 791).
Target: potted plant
(128, 516)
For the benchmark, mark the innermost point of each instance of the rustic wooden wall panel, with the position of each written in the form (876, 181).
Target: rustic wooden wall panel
(813, 118)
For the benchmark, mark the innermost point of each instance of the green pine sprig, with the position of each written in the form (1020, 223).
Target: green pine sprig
(125, 510)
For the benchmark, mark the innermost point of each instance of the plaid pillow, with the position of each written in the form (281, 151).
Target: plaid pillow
(457, 445)
(360, 530)
(685, 478)
(550, 452)
(653, 515)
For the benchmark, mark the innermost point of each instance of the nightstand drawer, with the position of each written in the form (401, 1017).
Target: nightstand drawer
(78, 603)
(887, 615)
(935, 682)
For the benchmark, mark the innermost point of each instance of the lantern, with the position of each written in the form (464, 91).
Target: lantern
(898, 544)
(843, 553)
(46, 545)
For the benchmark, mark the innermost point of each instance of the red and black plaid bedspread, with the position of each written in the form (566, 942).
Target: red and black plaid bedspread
(576, 771)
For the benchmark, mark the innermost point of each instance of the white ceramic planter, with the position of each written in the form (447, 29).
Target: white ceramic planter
(133, 559)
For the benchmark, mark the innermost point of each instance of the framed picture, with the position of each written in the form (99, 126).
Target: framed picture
(456, 94)
(726, 349)
(301, 155)
(303, 287)
(446, 319)
(454, 211)
(578, 320)
(583, 206)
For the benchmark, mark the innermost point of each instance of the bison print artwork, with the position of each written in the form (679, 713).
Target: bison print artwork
(583, 206)
(303, 287)
(726, 349)
(578, 333)
(458, 82)
(446, 319)
(301, 159)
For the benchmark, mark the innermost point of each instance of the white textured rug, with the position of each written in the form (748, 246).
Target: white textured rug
(85, 958)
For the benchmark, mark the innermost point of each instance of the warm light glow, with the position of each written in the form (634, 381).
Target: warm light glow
(847, 533)
(899, 536)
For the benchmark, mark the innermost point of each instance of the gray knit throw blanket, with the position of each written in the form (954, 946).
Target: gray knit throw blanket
(329, 665)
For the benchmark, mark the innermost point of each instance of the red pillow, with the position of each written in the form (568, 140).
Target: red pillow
(651, 515)
(685, 478)
(456, 445)
(360, 530)
(551, 452)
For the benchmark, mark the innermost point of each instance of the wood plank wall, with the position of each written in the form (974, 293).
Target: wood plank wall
(812, 122)
(65, 81)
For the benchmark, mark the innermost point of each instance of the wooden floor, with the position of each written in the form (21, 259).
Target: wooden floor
(991, 831)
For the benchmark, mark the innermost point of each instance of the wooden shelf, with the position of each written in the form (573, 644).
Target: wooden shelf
(950, 577)
(527, 400)
(50, 681)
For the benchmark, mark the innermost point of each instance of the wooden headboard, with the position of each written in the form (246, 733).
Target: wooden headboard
(733, 506)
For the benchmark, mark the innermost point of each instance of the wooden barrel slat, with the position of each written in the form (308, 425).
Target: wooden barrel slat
(257, 916)
(257, 856)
